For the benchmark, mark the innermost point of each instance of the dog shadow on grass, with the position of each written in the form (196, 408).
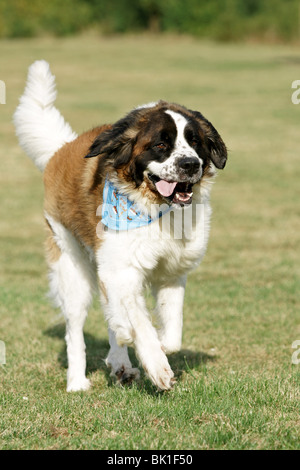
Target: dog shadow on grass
(184, 361)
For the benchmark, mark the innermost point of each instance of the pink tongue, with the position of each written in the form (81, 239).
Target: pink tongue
(165, 188)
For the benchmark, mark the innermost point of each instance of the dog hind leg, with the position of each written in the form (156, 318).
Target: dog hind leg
(71, 288)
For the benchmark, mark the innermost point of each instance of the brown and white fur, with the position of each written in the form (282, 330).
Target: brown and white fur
(160, 153)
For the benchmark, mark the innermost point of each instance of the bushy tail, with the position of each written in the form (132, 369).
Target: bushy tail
(40, 127)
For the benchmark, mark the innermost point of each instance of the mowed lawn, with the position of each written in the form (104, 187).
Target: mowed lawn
(237, 387)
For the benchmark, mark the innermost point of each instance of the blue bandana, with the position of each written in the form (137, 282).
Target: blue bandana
(119, 213)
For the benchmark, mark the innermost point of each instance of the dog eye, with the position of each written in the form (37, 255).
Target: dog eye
(194, 143)
(161, 146)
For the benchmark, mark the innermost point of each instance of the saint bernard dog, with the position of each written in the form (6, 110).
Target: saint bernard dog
(114, 198)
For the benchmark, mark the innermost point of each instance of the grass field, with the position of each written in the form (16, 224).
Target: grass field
(236, 385)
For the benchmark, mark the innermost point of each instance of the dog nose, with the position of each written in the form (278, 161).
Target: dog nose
(189, 164)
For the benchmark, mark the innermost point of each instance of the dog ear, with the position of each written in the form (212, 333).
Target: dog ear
(116, 144)
(217, 148)
(218, 151)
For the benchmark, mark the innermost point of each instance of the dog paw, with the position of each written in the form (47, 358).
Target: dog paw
(165, 380)
(126, 375)
(160, 374)
(77, 385)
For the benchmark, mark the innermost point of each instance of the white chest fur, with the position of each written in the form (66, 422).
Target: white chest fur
(164, 250)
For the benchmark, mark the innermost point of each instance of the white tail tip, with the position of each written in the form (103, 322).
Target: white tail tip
(40, 127)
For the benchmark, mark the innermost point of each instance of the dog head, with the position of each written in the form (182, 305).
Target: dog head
(161, 148)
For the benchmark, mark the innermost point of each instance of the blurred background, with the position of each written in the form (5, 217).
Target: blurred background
(234, 61)
(223, 20)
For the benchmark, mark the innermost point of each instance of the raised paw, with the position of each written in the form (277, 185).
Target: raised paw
(160, 373)
(166, 380)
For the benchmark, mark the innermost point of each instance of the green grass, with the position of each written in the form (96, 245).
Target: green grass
(236, 386)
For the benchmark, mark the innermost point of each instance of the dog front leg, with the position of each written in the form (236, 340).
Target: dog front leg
(128, 318)
(119, 362)
(169, 313)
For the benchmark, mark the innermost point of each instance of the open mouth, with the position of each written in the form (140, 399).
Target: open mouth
(173, 191)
